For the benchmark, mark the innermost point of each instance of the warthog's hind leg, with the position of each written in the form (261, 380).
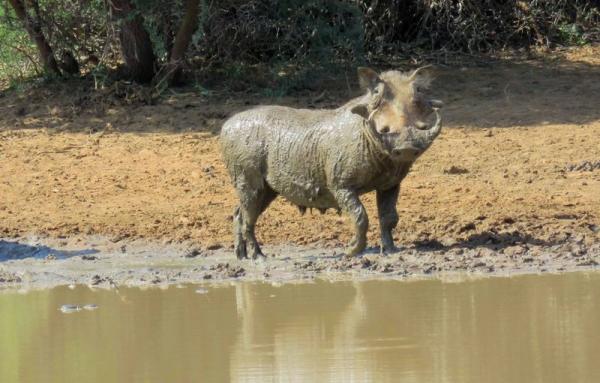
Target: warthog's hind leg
(388, 216)
(252, 204)
(239, 244)
(349, 202)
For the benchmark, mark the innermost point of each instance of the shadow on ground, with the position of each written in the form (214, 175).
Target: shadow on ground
(15, 250)
(487, 239)
(491, 93)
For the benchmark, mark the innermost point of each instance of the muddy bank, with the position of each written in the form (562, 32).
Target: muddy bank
(32, 263)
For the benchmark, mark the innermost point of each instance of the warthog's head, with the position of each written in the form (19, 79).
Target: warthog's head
(398, 112)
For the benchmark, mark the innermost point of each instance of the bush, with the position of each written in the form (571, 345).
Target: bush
(281, 45)
(18, 56)
(478, 26)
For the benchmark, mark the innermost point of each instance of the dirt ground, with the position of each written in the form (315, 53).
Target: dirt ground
(517, 164)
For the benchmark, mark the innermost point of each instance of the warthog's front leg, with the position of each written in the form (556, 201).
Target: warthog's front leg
(388, 216)
(349, 202)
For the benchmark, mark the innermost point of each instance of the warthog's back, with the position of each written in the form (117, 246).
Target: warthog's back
(287, 147)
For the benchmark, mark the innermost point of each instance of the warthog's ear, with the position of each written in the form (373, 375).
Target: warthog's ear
(367, 78)
(362, 110)
(422, 76)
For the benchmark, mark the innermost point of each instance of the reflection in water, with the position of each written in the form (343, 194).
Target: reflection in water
(526, 329)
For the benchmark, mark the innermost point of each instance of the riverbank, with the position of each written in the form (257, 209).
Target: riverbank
(34, 263)
(512, 182)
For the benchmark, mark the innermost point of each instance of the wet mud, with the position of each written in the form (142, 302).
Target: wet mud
(33, 263)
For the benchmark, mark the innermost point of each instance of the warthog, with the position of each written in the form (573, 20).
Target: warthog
(327, 158)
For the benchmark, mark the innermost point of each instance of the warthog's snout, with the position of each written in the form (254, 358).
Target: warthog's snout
(409, 153)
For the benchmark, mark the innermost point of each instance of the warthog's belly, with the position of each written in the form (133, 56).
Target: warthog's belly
(304, 193)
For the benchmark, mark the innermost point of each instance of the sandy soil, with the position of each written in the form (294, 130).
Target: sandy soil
(516, 165)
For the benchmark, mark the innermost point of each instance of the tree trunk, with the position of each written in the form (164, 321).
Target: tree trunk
(136, 46)
(188, 26)
(34, 29)
(168, 32)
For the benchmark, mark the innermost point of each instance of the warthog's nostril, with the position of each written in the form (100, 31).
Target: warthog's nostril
(406, 153)
(385, 129)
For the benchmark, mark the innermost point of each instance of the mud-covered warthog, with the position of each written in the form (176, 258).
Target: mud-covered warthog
(327, 158)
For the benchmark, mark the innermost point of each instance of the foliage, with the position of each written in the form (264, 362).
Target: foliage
(18, 57)
(478, 26)
(280, 45)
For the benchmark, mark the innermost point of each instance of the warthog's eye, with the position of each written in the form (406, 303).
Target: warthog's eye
(385, 129)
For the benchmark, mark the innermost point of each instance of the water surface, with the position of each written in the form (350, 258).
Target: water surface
(523, 329)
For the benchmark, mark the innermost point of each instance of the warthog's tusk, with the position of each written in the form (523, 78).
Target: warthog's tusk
(427, 136)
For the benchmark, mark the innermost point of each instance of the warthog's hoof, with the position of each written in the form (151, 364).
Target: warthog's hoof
(259, 258)
(387, 250)
(353, 251)
(240, 251)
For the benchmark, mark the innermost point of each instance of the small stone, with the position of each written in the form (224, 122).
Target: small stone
(214, 246)
(514, 250)
(455, 170)
(89, 257)
(236, 272)
(589, 262)
(468, 227)
(96, 280)
(192, 253)
(366, 262)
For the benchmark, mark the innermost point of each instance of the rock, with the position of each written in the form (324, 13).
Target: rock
(192, 253)
(6, 277)
(365, 262)
(214, 246)
(387, 268)
(236, 272)
(589, 262)
(514, 250)
(468, 227)
(455, 170)
(89, 257)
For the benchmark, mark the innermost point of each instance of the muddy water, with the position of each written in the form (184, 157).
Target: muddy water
(522, 329)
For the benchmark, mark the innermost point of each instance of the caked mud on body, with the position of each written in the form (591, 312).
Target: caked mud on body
(325, 159)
